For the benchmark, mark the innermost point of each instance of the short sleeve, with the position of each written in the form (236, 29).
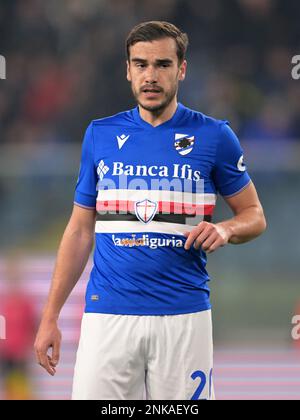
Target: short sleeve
(85, 191)
(230, 173)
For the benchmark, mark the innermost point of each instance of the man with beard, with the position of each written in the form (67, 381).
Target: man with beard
(147, 187)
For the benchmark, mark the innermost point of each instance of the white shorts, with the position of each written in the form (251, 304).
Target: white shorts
(128, 357)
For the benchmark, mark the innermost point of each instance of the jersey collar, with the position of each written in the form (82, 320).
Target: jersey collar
(176, 117)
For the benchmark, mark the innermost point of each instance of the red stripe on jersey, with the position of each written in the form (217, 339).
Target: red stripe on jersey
(163, 207)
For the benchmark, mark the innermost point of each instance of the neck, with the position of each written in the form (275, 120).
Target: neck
(156, 118)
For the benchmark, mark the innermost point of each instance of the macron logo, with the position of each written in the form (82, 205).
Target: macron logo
(122, 140)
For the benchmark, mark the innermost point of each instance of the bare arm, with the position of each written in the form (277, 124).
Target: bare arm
(73, 254)
(248, 223)
(249, 220)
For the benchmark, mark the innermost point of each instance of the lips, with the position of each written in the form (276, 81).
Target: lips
(151, 90)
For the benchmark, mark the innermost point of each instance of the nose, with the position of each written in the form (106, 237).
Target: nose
(151, 75)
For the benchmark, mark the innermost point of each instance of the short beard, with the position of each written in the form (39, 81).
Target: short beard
(157, 109)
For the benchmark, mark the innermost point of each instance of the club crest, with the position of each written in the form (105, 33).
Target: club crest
(145, 210)
(184, 143)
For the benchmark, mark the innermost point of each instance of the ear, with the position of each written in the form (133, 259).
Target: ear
(128, 71)
(182, 70)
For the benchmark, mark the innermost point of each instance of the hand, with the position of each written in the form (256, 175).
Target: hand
(49, 336)
(209, 236)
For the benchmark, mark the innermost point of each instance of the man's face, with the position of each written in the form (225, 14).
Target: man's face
(154, 73)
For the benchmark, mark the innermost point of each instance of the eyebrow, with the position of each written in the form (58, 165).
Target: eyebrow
(159, 61)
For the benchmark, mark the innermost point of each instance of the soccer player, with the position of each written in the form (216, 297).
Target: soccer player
(147, 187)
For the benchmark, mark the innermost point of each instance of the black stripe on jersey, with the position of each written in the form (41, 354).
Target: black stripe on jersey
(166, 218)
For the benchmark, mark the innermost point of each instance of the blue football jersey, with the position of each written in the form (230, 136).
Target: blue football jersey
(149, 186)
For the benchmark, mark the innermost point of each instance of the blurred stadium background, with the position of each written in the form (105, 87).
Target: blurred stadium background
(65, 67)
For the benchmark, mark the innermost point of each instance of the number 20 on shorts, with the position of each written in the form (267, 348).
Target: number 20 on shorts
(198, 374)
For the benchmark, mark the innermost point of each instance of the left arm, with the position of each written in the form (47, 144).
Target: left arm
(248, 223)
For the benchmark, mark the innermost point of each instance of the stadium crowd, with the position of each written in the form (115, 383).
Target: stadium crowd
(65, 64)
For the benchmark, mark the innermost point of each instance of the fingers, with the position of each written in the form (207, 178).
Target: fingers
(48, 338)
(193, 235)
(198, 235)
(214, 246)
(51, 364)
(205, 235)
(44, 360)
(206, 242)
(55, 354)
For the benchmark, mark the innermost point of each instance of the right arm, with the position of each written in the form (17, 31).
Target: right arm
(74, 250)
